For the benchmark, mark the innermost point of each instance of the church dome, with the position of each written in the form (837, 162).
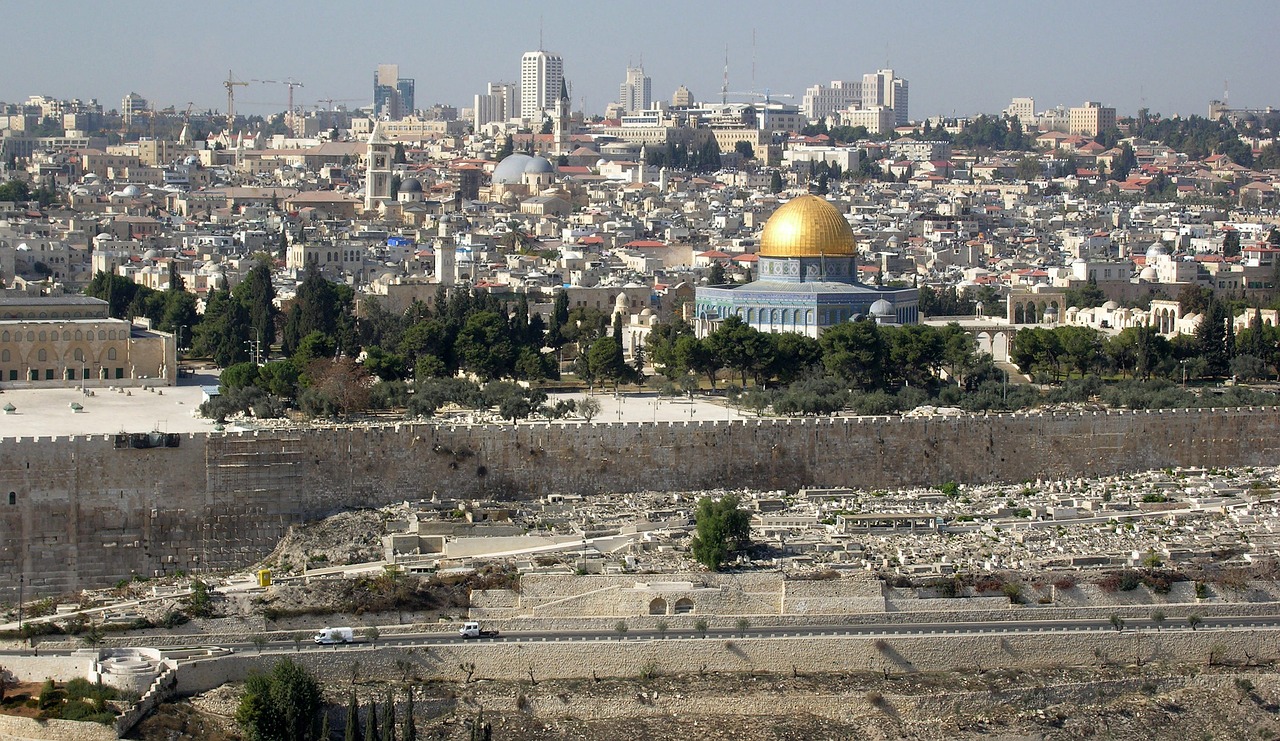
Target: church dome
(513, 167)
(807, 227)
(411, 185)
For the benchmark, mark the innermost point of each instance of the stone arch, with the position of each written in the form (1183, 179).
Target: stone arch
(1019, 314)
(683, 606)
(658, 606)
(1000, 346)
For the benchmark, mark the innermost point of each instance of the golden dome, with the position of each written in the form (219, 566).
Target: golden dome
(807, 227)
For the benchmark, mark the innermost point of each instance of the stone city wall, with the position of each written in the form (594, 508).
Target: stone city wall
(630, 658)
(87, 513)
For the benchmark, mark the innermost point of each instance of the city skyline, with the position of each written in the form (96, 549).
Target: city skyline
(959, 60)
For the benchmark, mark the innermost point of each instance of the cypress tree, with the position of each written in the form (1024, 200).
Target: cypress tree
(389, 718)
(371, 722)
(353, 719)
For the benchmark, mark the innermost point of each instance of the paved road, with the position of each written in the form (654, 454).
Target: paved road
(1022, 627)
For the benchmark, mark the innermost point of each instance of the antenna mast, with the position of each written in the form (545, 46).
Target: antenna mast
(724, 87)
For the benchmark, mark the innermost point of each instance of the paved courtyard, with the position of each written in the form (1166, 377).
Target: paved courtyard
(48, 412)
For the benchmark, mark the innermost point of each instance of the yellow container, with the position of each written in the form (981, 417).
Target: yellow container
(264, 577)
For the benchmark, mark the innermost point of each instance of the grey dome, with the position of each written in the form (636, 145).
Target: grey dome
(411, 185)
(882, 308)
(540, 164)
(512, 168)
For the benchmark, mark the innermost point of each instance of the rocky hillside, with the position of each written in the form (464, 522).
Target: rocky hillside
(1052, 705)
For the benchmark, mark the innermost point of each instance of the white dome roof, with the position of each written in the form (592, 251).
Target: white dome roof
(131, 191)
(1111, 306)
(882, 308)
(1148, 273)
(1156, 249)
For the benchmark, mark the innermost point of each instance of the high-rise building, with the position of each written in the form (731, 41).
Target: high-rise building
(1023, 109)
(1091, 119)
(635, 93)
(541, 77)
(682, 98)
(132, 105)
(501, 102)
(392, 94)
(821, 101)
(882, 88)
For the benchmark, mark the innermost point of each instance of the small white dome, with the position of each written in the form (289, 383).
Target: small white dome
(882, 308)
(1148, 274)
(1111, 306)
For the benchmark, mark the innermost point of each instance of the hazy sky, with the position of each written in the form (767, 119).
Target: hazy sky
(960, 57)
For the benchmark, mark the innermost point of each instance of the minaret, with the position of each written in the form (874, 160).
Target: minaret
(377, 179)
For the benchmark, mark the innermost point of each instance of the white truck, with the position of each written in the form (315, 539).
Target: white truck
(472, 630)
(335, 635)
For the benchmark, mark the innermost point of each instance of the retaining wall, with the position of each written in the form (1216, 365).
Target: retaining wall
(87, 513)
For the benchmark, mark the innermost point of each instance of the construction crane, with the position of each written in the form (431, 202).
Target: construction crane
(291, 83)
(768, 99)
(331, 101)
(231, 83)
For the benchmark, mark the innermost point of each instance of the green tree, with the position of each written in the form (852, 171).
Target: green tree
(1231, 244)
(716, 276)
(775, 182)
(507, 148)
(602, 361)
(408, 731)
(484, 348)
(281, 705)
(741, 347)
(256, 294)
(694, 356)
(744, 150)
(856, 352)
(371, 722)
(721, 529)
(388, 718)
(352, 732)
(1085, 297)
(223, 334)
(1029, 168)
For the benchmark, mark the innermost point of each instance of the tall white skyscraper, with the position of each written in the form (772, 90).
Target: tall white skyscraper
(541, 77)
(635, 93)
(882, 88)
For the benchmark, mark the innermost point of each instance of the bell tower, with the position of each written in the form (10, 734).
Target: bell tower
(377, 179)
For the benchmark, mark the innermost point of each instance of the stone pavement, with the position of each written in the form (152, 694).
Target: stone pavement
(47, 412)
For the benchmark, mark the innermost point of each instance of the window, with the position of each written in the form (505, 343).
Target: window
(13, 375)
(119, 372)
(78, 355)
(48, 374)
(13, 498)
(111, 353)
(42, 355)
(4, 356)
